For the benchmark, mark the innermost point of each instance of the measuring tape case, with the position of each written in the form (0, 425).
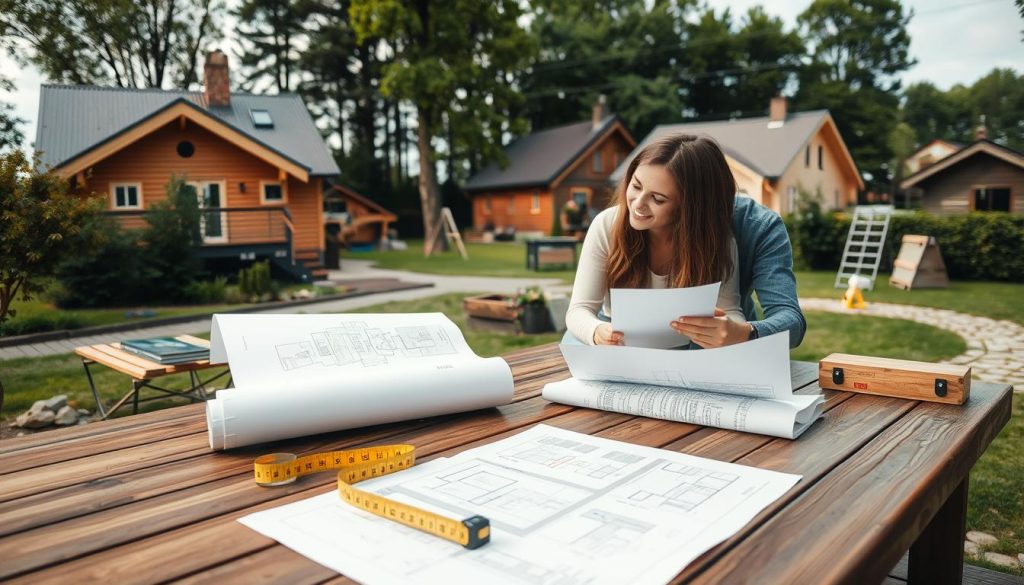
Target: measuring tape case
(946, 383)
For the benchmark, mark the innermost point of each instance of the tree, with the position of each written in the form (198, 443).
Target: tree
(902, 143)
(128, 43)
(10, 135)
(769, 57)
(39, 218)
(449, 59)
(857, 50)
(271, 34)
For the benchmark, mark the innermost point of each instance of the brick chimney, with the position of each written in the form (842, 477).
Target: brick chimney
(597, 113)
(216, 83)
(777, 112)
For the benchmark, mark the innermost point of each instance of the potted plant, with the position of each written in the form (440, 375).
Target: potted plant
(533, 311)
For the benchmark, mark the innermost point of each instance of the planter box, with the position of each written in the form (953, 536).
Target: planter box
(497, 307)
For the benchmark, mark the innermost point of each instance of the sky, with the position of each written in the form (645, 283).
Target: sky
(953, 41)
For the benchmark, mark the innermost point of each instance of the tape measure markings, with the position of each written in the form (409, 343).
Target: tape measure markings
(356, 465)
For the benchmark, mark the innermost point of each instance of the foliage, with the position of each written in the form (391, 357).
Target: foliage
(53, 321)
(39, 219)
(170, 240)
(111, 273)
(857, 49)
(271, 33)
(207, 292)
(255, 282)
(10, 135)
(817, 237)
(143, 43)
(531, 295)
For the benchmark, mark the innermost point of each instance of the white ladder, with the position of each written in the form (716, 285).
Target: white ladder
(864, 243)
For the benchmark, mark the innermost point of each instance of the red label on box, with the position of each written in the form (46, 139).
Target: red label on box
(860, 385)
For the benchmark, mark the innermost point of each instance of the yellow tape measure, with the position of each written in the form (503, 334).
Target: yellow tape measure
(358, 464)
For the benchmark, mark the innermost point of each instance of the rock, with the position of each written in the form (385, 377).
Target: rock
(982, 538)
(1020, 558)
(971, 548)
(66, 416)
(57, 402)
(83, 412)
(41, 418)
(1002, 560)
(83, 421)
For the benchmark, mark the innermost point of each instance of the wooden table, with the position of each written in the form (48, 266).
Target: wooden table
(143, 499)
(143, 371)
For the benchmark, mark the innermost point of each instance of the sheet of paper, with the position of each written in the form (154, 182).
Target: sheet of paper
(564, 508)
(300, 375)
(643, 314)
(758, 368)
(787, 418)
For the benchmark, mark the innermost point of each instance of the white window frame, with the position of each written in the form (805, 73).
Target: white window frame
(791, 193)
(597, 161)
(535, 203)
(198, 186)
(113, 195)
(263, 193)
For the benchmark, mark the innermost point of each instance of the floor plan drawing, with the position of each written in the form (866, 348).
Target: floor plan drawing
(354, 342)
(564, 509)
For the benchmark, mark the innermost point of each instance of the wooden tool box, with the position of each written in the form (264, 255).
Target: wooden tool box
(898, 378)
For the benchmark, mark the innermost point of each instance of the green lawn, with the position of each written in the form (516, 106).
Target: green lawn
(39, 309)
(497, 259)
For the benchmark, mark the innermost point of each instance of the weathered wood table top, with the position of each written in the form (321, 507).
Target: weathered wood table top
(144, 499)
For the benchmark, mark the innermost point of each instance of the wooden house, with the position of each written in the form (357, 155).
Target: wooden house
(359, 218)
(545, 170)
(982, 176)
(257, 163)
(773, 158)
(929, 154)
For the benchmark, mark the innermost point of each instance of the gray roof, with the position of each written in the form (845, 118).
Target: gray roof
(74, 119)
(767, 151)
(539, 157)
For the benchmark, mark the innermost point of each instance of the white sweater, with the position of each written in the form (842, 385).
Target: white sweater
(590, 290)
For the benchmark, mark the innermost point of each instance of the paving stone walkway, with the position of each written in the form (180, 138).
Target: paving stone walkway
(995, 349)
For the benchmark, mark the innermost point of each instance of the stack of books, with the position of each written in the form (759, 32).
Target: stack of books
(166, 350)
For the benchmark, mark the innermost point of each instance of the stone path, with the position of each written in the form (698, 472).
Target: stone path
(995, 349)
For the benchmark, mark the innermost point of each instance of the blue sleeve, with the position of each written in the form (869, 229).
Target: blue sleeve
(773, 281)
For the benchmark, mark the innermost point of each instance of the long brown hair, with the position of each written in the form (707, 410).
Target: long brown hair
(702, 243)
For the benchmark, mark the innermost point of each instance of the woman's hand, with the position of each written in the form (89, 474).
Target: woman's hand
(717, 331)
(604, 335)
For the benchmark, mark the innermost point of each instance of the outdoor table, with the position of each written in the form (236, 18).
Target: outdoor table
(143, 371)
(144, 499)
(541, 252)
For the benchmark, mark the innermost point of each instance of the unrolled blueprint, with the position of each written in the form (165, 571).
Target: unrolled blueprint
(786, 418)
(565, 509)
(305, 374)
(643, 315)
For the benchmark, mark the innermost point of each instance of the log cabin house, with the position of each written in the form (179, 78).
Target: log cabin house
(257, 162)
(545, 170)
(773, 158)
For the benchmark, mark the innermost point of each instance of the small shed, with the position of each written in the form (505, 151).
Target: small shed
(355, 217)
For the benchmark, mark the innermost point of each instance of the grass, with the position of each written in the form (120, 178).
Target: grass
(878, 336)
(506, 259)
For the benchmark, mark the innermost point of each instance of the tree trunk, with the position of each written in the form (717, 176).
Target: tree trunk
(430, 194)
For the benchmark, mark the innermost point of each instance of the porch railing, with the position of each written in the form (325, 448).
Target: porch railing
(228, 225)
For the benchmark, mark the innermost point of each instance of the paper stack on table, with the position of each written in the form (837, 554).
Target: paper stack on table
(564, 508)
(743, 387)
(300, 375)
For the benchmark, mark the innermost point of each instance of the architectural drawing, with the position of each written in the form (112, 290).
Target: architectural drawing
(355, 342)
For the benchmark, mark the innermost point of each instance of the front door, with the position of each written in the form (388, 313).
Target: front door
(213, 221)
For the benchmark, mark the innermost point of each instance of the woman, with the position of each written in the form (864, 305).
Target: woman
(671, 228)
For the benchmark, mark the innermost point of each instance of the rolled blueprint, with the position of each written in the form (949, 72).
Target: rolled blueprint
(299, 375)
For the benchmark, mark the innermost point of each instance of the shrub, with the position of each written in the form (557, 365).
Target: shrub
(255, 282)
(207, 292)
(38, 323)
(110, 274)
(817, 237)
(170, 242)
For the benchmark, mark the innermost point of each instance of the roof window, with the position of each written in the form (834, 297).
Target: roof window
(261, 119)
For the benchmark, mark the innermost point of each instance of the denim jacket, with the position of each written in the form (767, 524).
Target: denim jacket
(766, 269)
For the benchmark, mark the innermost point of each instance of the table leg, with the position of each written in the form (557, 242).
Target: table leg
(92, 386)
(938, 554)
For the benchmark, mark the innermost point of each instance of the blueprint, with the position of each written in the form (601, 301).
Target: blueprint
(300, 375)
(784, 417)
(565, 509)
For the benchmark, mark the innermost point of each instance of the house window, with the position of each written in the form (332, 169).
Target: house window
(185, 149)
(821, 163)
(261, 119)
(271, 193)
(807, 157)
(535, 203)
(597, 161)
(992, 199)
(791, 199)
(127, 195)
(487, 204)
